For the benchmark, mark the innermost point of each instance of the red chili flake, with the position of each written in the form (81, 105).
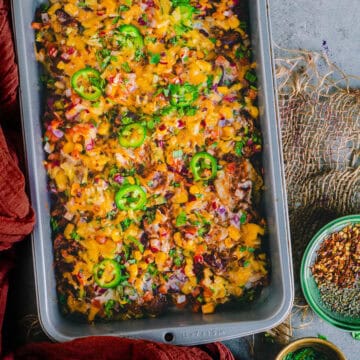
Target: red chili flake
(198, 259)
(214, 205)
(70, 50)
(100, 12)
(162, 127)
(203, 123)
(163, 63)
(154, 249)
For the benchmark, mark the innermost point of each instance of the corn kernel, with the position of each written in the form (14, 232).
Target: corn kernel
(187, 288)
(131, 180)
(133, 271)
(208, 308)
(116, 235)
(234, 233)
(104, 128)
(229, 243)
(137, 255)
(194, 189)
(253, 111)
(68, 230)
(68, 147)
(160, 259)
(181, 197)
(177, 239)
(71, 9)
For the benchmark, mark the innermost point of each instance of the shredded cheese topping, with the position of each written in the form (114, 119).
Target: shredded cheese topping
(180, 70)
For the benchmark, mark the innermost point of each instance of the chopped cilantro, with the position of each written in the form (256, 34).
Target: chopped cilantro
(54, 224)
(251, 76)
(75, 236)
(154, 59)
(246, 263)
(123, 8)
(126, 67)
(152, 270)
(181, 219)
(239, 147)
(125, 223)
(243, 218)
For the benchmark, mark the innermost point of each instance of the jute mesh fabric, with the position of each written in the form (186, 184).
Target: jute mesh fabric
(320, 126)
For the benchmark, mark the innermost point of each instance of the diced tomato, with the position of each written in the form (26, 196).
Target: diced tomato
(148, 296)
(53, 51)
(231, 167)
(198, 259)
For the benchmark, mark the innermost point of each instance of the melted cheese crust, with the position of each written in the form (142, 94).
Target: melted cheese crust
(201, 239)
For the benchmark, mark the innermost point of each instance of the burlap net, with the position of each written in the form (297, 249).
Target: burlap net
(320, 126)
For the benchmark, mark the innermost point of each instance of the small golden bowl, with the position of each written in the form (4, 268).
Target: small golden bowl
(328, 348)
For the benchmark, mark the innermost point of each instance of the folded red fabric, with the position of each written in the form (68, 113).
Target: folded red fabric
(17, 220)
(16, 216)
(114, 348)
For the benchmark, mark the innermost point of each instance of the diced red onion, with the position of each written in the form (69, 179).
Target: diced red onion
(58, 133)
(90, 145)
(118, 178)
(223, 122)
(222, 210)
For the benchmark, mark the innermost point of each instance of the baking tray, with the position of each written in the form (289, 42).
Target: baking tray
(176, 327)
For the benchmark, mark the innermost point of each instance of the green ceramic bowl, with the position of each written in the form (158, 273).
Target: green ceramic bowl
(308, 284)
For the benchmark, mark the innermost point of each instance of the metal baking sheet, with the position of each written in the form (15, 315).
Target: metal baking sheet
(185, 328)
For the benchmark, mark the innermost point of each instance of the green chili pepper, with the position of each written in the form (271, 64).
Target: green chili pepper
(130, 197)
(87, 83)
(129, 36)
(183, 95)
(132, 135)
(107, 273)
(203, 166)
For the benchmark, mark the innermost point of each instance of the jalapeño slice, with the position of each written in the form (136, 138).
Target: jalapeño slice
(203, 166)
(130, 197)
(107, 273)
(183, 95)
(129, 36)
(87, 83)
(132, 135)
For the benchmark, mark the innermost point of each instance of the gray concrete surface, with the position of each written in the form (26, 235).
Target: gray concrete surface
(331, 26)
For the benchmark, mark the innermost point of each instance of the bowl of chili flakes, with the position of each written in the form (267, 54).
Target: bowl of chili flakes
(330, 273)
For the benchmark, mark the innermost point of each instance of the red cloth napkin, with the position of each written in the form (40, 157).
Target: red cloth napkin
(113, 348)
(17, 220)
(16, 216)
